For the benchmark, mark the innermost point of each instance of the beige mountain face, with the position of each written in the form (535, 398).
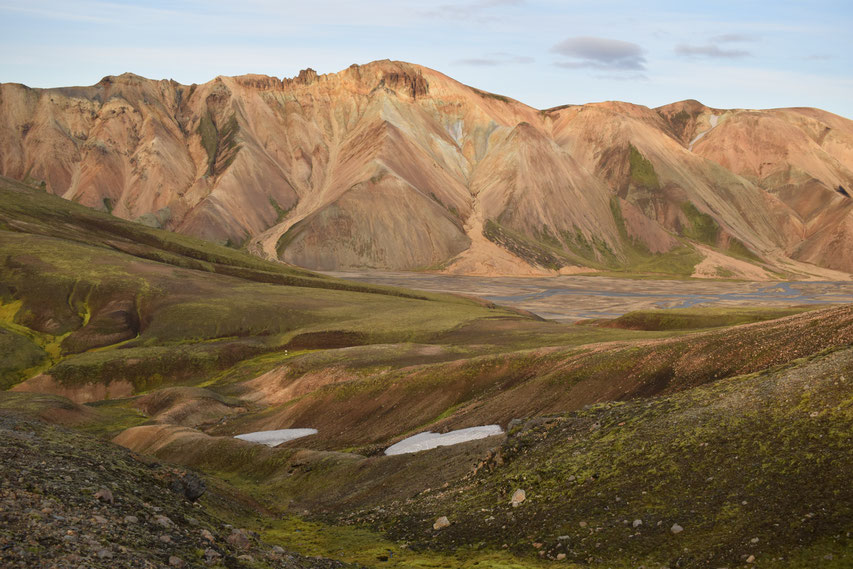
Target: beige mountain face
(395, 166)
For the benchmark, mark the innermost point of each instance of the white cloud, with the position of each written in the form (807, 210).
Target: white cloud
(600, 53)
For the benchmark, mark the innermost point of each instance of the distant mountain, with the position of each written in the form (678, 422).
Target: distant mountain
(395, 166)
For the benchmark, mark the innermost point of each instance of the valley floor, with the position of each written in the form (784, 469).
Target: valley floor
(578, 297)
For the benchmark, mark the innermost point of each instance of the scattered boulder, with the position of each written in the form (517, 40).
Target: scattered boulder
(175, 561)
(676, 528)
(637, 523)
(105, 554)
(441, 523)
(105, 495)
(518, 497)
(205, 534)
(189, 485)
(239, 539)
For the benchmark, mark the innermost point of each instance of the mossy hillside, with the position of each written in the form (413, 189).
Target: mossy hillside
(505, 335)
(370, 409)
(370, 549)
(700, 226)
(550, 251)
(20, 356)
(651, 459)
(27, 351)
(55, 286)
(733, 463)
(696, 318)
(524, 247)
(29, 211)
(152, 367)
(221, 145)
(641, 170)
(737, 248)
(677, 262)
(101, 419)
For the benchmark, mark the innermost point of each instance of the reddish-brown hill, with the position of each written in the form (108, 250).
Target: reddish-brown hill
(396, 166)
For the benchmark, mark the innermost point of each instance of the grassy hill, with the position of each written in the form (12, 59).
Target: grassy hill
(733, 425)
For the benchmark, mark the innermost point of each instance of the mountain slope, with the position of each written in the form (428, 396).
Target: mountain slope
(396, 166)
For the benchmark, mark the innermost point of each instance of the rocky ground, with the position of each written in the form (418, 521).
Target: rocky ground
(67, 500)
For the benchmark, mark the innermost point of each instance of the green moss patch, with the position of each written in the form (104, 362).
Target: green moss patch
(695, 318)
(642, 172)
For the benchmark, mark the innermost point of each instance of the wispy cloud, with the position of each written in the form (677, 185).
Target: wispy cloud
(495, 59)
(733, 38)
(713, 47)
(480, 10)
(710, 50)
(600, 53)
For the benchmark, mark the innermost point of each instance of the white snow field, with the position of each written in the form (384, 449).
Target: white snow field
(273, 438)
(429, 440)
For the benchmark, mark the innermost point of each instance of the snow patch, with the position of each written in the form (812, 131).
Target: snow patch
(273, 438)
(713, 120)
(429, 440)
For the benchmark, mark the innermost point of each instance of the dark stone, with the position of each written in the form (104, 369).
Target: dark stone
(189, 485)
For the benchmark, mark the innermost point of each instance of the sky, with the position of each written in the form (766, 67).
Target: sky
(727, 54)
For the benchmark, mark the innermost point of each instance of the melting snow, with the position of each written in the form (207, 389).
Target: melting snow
(429, 440)
(273, 438)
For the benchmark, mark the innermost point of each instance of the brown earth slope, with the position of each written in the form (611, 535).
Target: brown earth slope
(396, 166)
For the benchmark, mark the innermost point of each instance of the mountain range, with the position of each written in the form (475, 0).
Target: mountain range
(391, 165)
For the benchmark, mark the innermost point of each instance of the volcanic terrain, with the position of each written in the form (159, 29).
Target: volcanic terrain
(395, 166)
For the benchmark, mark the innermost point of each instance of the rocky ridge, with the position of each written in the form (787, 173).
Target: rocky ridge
(68, 500)
(395, 166)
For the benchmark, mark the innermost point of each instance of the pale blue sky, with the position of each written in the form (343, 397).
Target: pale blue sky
(750, 54)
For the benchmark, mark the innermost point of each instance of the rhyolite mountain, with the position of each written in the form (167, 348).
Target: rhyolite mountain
(395, 166)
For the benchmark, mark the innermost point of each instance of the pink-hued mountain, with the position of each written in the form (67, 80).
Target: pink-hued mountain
(395, 166)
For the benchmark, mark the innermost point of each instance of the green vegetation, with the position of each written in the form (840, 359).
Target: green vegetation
(209, 140)
(731, 463)
(737, 249)
(701, 226)
(488, 95)
(642, 171)
(522, 246)
(280, 211)
(221, 145)
(20, 356)
(722, 431)
(696, 318)
(370, 549)
(159, 308)
(679, 261)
